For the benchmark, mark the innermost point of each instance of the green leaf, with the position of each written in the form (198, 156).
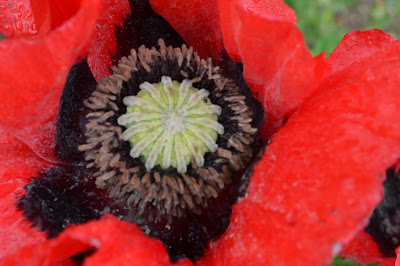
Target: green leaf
(346, 262)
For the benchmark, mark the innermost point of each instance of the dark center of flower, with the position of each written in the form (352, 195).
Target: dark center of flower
(184, 196)
(176, 163)
(171, 124)
(164, 142)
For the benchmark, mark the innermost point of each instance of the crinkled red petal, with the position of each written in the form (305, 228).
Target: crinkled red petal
(196, 21)
(357, 46)
(17, 19)
(277, 65)
(17, 164)
(322, 174)
(115, 243)
(33, 74)
(103, 44)
(27, 19)
(364, 250)
(32, 19)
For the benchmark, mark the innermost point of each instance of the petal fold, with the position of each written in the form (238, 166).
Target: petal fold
(276, 10)
(114, 243)
(364, 250)
(322, 174)
(17, 164)
(357, 46)
(34, 73)
(196, 21)
(277, 64)
(103, 44)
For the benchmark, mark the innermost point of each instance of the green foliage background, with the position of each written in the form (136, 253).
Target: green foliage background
(340, 262)
(325, 22)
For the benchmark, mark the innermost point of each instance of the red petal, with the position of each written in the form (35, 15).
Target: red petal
(388, 262)
(130, 245)
(33, 75)
(322, 174)
(18, 164)
(277, 65)
(357, 46)
(363, 249)
(115, 242)
(398, 257)
(196, 21)
(104, 42)
(275, 10)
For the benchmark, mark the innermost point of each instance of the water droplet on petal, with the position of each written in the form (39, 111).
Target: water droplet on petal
(19, 26)
(336, 247)
(369, 41)
(28, 16)
(9, 27)
(350, 46)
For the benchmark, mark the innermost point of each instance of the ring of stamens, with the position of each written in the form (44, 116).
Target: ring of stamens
(153, 191)
(170, 124)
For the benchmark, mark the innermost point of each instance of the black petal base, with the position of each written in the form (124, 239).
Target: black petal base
(144, 27)
(384, 224)
(70, 128)
(65, 195)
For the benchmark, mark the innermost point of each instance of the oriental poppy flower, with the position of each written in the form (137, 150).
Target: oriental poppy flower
(313, 188)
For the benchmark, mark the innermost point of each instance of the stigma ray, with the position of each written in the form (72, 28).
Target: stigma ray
(175, 120)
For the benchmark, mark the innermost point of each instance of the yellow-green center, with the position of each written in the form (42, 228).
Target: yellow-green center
(171, 124)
